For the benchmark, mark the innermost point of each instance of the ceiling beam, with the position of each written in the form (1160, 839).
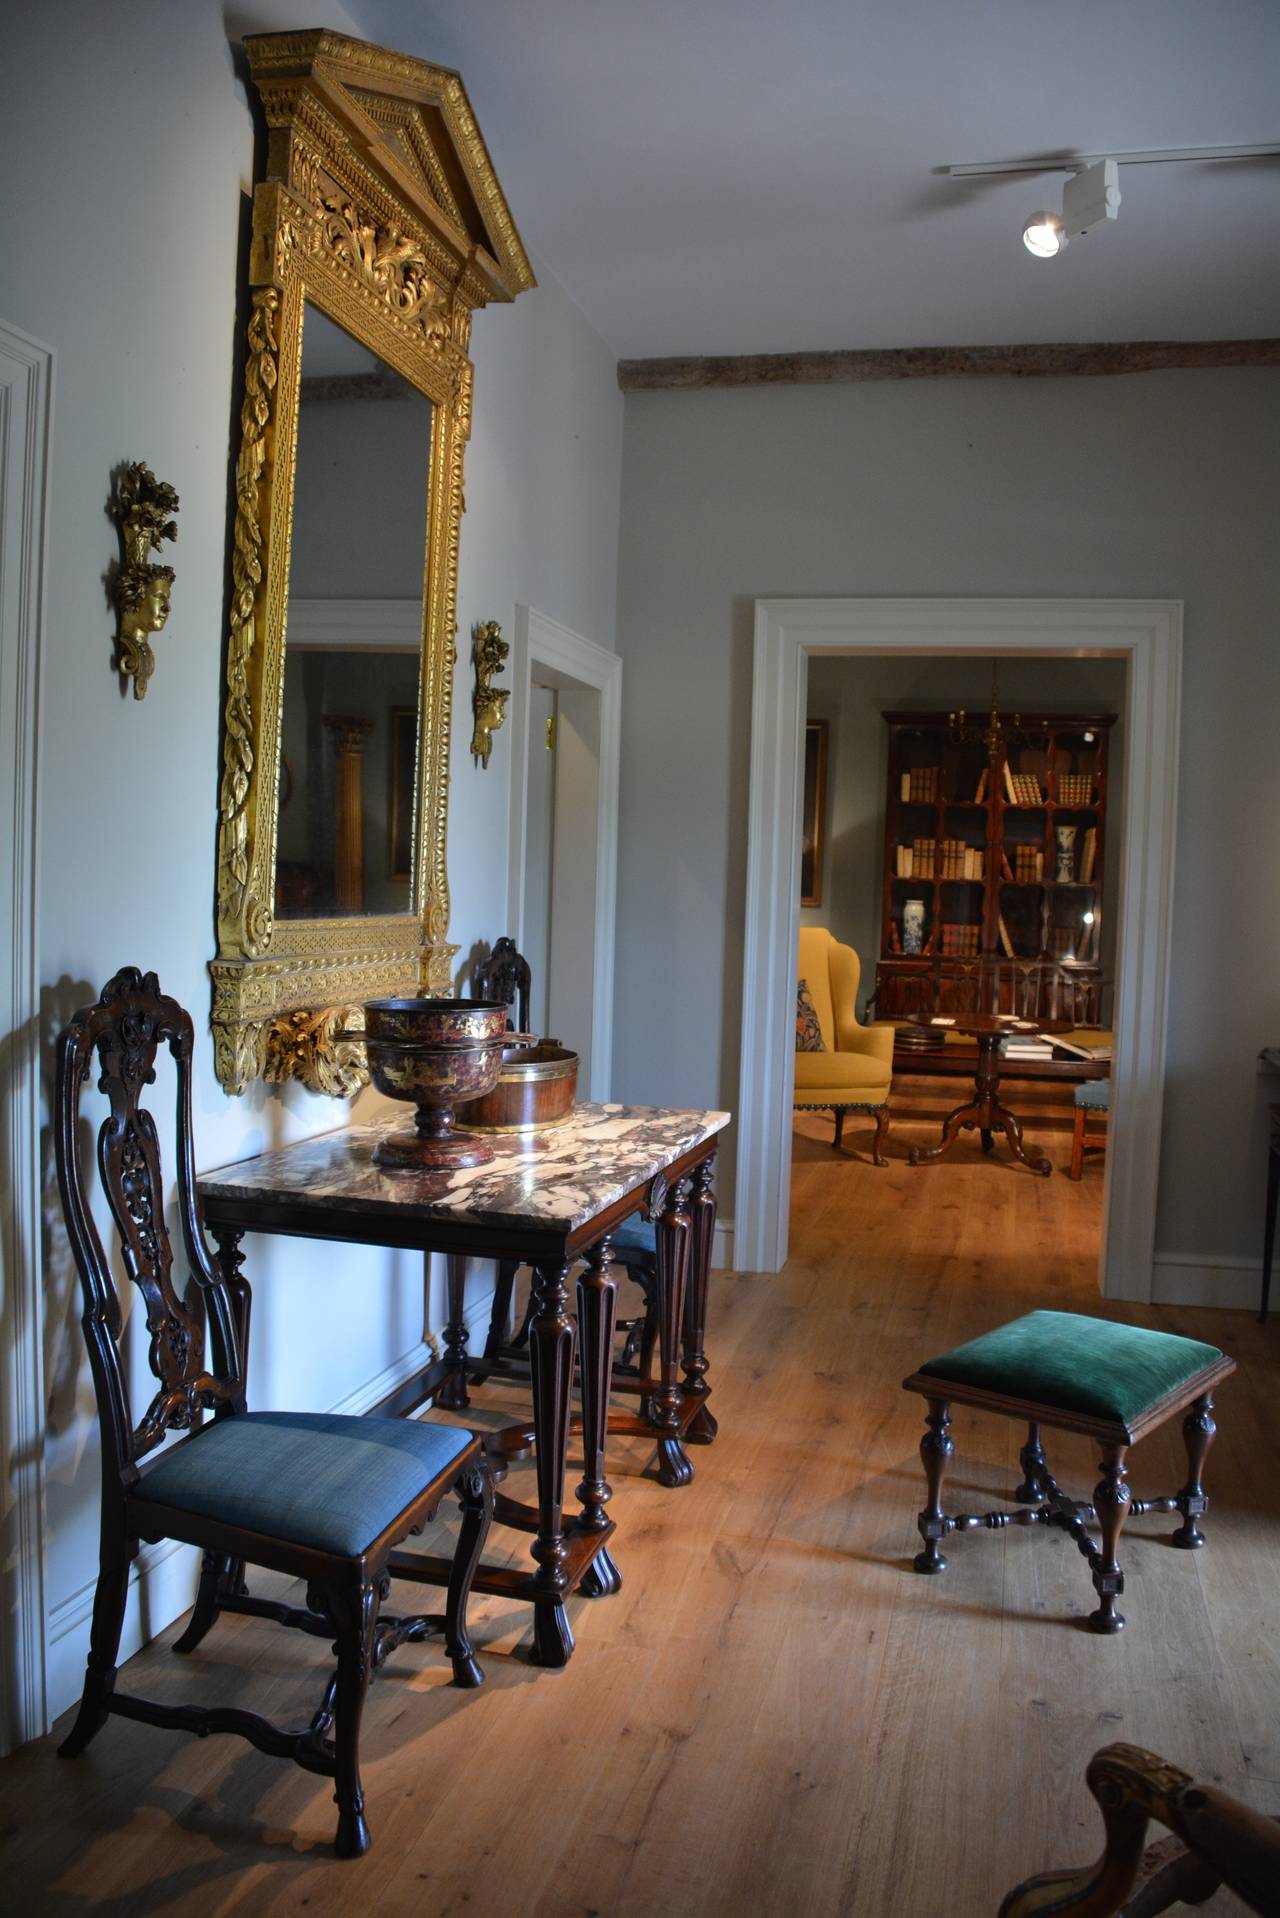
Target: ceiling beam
(942, 362)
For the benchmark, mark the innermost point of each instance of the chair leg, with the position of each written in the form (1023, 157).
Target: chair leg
(475, 1493)
(355, 1614)
(215, 1570)
(882, 1133)
(839, 1113)
(1111, 1500)
(936, 1448)
(1077, 1146)
(1198, 1432)
(104, 1644)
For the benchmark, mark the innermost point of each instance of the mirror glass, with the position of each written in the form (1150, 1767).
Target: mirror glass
(349, 725)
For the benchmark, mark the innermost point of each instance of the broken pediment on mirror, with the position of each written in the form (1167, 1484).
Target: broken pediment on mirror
(378, 229)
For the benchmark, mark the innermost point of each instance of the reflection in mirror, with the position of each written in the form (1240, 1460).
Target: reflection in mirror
(349, 723)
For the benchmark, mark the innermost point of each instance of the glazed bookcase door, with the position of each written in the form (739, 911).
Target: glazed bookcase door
(379, 207)
(994, 862)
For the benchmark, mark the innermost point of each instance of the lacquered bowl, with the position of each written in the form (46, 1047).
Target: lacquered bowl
(437, 1054)
(536, 1088)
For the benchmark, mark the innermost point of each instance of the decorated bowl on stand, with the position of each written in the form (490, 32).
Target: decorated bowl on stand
(437, 1054)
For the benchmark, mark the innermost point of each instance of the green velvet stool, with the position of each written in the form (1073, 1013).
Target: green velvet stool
(1112, 1382)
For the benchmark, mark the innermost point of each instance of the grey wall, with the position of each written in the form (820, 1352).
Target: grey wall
(121, 225)
(852, 694)
(1163, 485)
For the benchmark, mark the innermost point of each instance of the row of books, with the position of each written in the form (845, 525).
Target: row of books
(1028, 866)
(1021, 789)
(1074, 789)
(920, 786)
(952, 858)
(960, 942)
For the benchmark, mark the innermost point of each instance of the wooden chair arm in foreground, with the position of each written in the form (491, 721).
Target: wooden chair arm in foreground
(1217, 1841)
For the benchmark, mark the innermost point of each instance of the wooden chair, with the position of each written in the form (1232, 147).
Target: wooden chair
(1216, 1841)
(1111, 1382)
(313, 1495)
(504, 978)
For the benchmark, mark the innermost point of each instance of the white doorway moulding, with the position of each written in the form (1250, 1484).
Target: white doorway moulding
(26, 418)
(1147, 634)
(573, 665)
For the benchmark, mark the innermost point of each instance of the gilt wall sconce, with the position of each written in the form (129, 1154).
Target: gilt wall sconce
(144, 507)
(489, 650)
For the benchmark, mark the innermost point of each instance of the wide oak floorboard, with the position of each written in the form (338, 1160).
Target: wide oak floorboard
(774, 1715)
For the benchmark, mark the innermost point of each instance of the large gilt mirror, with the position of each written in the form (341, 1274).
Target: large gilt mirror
(378, 229)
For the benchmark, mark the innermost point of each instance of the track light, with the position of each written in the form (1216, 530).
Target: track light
(1089, 198)
(1044, 235)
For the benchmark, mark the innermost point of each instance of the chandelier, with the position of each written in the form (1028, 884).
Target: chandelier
(965, 729)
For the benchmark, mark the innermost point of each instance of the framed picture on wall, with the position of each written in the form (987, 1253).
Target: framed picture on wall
(813, 812)
(404, 741)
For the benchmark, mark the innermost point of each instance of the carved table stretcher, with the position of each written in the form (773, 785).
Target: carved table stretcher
(547, 1199)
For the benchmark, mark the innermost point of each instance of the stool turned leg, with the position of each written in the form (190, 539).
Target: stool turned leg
(1199, 1431)
(1035, 1470)
(935, 1451)
(1111, 1503)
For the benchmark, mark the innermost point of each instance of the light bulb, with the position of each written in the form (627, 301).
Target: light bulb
(1088, 919)
(1044, 235)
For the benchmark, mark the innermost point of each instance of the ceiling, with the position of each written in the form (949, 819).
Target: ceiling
(755, 176)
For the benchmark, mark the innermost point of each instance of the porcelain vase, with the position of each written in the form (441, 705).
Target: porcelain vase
(1065, 870)
(913, 925)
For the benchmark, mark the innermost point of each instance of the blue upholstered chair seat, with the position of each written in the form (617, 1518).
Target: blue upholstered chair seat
(316, 1479)
(635, 1234)
(1094, 1094)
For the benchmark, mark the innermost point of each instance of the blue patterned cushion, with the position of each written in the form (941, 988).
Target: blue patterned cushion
(1095, 1094)
(635, 1234)
(312, 1478)
(808, 1030)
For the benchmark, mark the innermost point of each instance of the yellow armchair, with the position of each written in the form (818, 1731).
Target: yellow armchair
(855, 1072)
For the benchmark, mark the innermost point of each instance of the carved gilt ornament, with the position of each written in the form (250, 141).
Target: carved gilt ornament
(380, 208)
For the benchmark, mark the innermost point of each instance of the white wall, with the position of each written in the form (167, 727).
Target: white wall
(121, 229)
(1160, 485)
(853, 694)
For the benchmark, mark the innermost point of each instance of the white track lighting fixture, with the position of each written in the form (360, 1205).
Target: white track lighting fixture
(1091, 196)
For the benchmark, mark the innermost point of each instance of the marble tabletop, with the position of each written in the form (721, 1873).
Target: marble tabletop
(566, 1174)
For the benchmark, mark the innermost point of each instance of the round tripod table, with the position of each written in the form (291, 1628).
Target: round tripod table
(984, 1110)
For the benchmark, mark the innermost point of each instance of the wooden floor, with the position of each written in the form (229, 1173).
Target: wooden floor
(774, 1715)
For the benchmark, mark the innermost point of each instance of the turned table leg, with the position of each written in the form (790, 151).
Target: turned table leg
(552, 1338)
(453, 1394)
(702, 1213)
(672, 1230)
(597, 1309)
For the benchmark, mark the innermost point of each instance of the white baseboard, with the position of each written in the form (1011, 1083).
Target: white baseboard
(1183, 1278)
(722, 1246)
(162, 1582)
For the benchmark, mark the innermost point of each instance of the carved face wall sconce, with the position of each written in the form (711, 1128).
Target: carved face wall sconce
(144, 507)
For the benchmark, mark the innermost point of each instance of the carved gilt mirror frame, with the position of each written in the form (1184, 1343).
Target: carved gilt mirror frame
(380, 208)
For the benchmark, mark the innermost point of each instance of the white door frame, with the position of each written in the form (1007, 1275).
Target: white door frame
(571, 661)
(1148, 635)
(26, 418)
